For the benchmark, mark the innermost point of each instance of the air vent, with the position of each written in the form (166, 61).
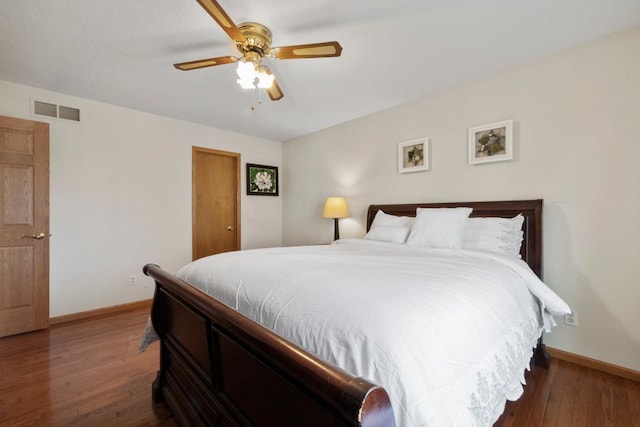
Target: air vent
(69, 113)
(45, 109)
(52, 110)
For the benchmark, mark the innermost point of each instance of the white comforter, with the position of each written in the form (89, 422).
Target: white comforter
(447, 333)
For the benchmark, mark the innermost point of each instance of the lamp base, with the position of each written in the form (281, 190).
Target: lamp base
(336, 229)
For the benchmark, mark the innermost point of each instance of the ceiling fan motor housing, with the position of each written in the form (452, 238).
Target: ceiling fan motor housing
(258, 38)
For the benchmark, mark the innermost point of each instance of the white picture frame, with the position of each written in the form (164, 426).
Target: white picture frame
(490, 143)
(414, 155)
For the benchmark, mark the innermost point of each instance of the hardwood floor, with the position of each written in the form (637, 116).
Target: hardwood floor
(89, 373)
(85, 373)
(571, 395)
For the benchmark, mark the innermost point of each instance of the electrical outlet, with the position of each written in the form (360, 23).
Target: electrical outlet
(571, 319)
(133, 280)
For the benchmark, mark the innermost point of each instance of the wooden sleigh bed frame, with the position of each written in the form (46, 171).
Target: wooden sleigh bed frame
(220, 368)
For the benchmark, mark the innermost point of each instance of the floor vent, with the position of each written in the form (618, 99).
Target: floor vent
(58, 111)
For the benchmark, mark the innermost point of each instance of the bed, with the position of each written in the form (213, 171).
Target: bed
(319, 342)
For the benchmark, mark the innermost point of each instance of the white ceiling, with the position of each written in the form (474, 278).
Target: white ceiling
(121, 52)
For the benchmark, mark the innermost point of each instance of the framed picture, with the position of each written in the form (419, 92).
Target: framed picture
(413, 156)
(262, 180)
(491, 143)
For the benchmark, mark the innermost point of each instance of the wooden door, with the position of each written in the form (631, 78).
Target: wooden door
(216, 202)
(24, 226)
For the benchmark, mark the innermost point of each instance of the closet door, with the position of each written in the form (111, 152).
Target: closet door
(216, 202)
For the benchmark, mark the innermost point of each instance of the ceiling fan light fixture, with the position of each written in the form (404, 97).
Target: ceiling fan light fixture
(246, 70)
(247, 74)
(246, 84)
(265, 78)
(251, 76)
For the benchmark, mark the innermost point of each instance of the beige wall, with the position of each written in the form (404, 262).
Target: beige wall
(121, 196)
(576, 118)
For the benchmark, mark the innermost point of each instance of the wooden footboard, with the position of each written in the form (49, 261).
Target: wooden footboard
(220, 368)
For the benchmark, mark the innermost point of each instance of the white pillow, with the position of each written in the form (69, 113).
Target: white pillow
(439, 227)
(382, 218)
(389, 228)
(388, 233)
(503, 235)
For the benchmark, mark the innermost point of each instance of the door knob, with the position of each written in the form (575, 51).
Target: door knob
(36, 236)
(230, 228)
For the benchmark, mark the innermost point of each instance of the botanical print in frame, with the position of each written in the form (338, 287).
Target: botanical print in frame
(413, 156)
(491, 143)
(262, 180)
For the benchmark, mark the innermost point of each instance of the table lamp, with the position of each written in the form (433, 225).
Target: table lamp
(336, 207)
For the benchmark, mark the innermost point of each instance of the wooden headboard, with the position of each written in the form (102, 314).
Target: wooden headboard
(531, 250)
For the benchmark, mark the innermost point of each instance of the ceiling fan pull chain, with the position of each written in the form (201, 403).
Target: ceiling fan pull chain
(253, 97)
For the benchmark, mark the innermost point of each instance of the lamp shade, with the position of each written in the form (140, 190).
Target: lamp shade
(335, 207)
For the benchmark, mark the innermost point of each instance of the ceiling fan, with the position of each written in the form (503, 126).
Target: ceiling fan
(253, 40)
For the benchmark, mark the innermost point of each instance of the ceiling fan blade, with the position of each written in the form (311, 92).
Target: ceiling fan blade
(220, 16)
(314, 50)
(201, 63)
(275, 93)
